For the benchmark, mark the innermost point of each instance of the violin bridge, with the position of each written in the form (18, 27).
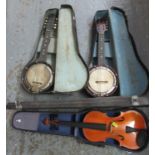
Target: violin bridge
(114, 124)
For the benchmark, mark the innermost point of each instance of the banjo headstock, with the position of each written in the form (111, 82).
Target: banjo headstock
(102, 25)
(50, 24)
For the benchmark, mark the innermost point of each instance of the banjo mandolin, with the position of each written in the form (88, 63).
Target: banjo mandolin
(39, 76)
(102, 79)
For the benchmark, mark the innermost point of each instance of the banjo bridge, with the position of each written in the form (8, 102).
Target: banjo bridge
(101, 81)
(38, 83)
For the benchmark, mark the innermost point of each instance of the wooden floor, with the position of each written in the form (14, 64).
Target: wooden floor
(24, 20)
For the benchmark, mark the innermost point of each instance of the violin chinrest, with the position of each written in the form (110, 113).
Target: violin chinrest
(142, 138)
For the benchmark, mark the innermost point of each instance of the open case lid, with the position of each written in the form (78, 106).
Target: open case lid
(71, 73)
(133, 79)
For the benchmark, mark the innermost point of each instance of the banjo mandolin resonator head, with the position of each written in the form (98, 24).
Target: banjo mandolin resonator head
(102, 81)
(39, 77)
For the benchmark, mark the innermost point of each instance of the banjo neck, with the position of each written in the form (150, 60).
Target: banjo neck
(100, 51)
(50, 30)
(44, 47)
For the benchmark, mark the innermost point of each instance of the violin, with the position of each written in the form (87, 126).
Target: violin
(97, 126)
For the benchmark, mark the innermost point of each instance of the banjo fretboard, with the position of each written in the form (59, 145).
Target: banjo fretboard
(100, 51)
(50, 30)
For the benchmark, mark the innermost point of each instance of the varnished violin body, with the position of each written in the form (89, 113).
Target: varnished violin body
(124, 128)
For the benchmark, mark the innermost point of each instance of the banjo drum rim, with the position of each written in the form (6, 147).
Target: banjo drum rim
(26, 84)
(93, 92)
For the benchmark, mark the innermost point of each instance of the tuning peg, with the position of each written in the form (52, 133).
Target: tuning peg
(46, 18)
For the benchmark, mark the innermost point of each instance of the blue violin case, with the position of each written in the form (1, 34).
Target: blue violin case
(34, 122)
